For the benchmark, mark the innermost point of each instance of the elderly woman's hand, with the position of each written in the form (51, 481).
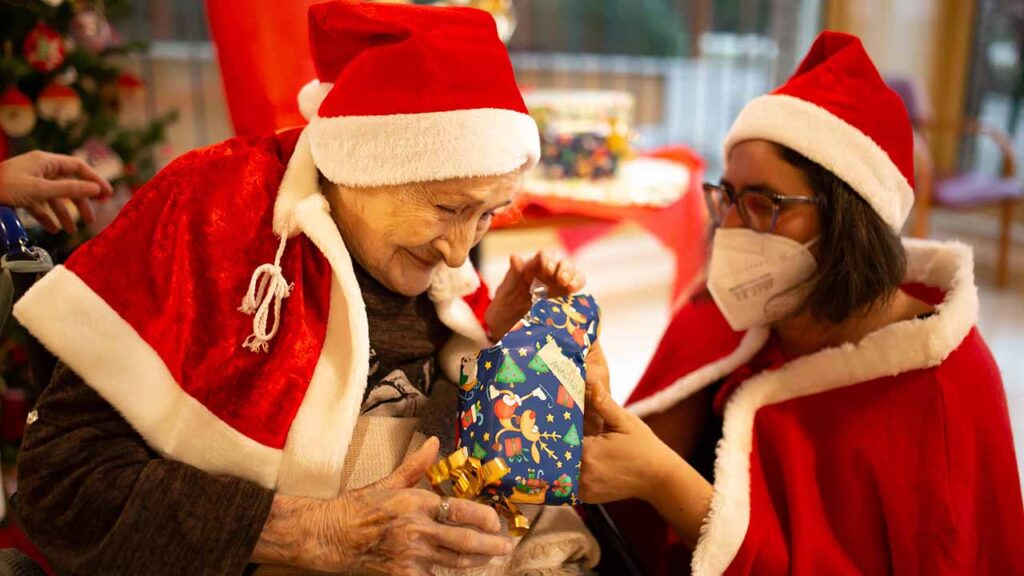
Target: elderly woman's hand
(387, 527)
(513, 299)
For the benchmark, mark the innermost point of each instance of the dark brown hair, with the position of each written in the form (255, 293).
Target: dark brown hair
(861, 261)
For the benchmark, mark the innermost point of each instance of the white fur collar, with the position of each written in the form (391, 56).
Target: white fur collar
(897, 348)
(312, 459)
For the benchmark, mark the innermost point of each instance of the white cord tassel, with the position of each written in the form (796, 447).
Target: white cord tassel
(267, 288)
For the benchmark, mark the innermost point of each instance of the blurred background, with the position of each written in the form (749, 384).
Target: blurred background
(668, 76)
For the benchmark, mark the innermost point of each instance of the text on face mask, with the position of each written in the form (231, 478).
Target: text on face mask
(753, 287)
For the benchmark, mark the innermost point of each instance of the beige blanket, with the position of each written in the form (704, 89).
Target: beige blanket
(557, 544)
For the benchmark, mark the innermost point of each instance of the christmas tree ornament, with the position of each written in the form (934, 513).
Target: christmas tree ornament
(67, 76)
(129, 84)
(131, 100)
(102, 158)
(503, 12)
(87, 84)
(17, 116)
(90, 29)
(60, 104)
(44, 48)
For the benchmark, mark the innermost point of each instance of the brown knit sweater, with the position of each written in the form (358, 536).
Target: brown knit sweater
(97, 500)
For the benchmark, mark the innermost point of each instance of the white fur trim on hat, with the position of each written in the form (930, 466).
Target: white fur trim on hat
(831, 142)
(363, 151)
(311, 96)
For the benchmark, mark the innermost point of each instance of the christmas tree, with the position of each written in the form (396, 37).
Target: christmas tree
(510, 373)
(538, 365)
(479, 452)
(572, 437)
(62, 88)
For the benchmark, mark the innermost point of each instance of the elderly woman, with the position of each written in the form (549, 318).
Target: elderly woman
(257, 355)
(860, 421)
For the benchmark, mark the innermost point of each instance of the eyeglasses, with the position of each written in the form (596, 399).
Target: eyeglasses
(759, 210)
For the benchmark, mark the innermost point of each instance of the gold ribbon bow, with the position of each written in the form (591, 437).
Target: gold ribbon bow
(469, 477)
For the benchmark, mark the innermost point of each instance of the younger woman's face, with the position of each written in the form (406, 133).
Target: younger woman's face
(402, 234)
(758, 165)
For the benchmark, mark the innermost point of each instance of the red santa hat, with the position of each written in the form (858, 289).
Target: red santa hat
(410, 93)
(837, 111)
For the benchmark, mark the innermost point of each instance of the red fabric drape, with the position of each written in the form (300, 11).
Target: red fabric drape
(263, 51)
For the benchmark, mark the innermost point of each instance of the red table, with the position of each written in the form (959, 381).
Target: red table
(681, 226)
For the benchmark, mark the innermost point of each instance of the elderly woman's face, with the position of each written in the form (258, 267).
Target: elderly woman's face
(402, 234)
(758, 165)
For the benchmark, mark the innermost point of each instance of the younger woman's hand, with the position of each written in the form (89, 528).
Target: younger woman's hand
(626, 460)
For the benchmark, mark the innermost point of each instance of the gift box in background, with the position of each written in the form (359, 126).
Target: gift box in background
(522, 401)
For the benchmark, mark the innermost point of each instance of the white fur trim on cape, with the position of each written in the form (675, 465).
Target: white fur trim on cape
(682, 388)
(311, 96)
(363, 151)
(848, 153)
(81, 329)
(318, 441)
(314, 451)
(300, 181)
(894, 349)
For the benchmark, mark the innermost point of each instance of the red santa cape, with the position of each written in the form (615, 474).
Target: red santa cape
(147, 313)
(893, 455)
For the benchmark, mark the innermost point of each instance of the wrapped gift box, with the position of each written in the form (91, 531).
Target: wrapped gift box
(584, 134)
(522, 401)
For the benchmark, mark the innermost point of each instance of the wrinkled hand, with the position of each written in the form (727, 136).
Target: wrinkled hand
(391, 528)
(626, 460)
(40, 182)
(513, 299)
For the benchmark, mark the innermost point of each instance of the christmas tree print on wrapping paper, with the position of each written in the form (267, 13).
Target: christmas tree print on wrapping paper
(526, 401)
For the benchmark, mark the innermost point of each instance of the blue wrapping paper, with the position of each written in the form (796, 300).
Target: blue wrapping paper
(522, 400)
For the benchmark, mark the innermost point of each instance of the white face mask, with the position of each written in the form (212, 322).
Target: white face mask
(749, 269)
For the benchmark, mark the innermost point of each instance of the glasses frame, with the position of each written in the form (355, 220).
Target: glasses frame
(779, 202)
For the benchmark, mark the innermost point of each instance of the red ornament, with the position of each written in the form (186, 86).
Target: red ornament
(128, 82)
(44, 48)
(17, 116)
(59, 103)
(131, 100)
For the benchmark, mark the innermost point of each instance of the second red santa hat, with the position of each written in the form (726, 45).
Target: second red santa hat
(837, 111)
